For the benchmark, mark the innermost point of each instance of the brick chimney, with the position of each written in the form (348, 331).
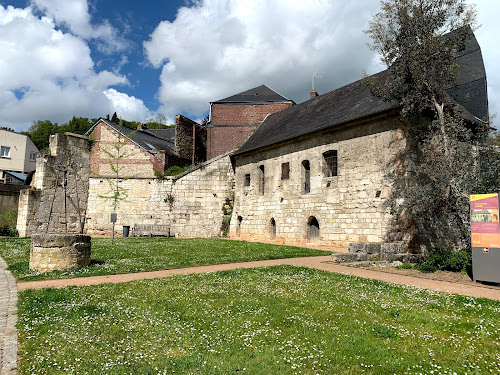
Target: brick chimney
(141, 126)
(314, 94)
(160, 161)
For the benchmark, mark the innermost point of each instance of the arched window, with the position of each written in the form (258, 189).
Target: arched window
(238, 226)
(306, 167)
(312, 229)
(272, 229)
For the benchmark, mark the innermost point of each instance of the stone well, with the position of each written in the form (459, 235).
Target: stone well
(59, 251)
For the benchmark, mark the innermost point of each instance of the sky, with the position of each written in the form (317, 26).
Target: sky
(90, 58)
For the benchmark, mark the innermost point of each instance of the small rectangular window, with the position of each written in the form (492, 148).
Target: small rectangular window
(5, 152)
(33, 156)
(247, 180)
(331, 166)
(285, 171)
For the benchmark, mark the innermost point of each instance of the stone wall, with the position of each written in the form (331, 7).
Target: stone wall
(9, 199)
(347, 208)
(191, 204)
(68, 153)
(184, 139)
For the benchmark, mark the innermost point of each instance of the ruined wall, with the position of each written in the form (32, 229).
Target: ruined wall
(9, 199)
(232, 124)
(68, 153)
(348, 207)
(191, 204)
(184, 139)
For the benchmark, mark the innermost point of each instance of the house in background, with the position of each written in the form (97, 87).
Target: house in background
(17, 154)
(148, 151)
(234, 119)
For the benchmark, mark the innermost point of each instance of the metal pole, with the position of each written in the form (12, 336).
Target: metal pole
(194, 140)
(52, 204)
(65, 204)
(78, 206)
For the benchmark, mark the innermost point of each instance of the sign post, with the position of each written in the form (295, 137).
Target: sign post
(485, 237)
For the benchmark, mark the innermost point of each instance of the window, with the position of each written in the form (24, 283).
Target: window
(330, 166)
(33, 155)
(238, 226)
(5, 152)
(307, 176)
(247, 180)
(262, 180)
(285, 171)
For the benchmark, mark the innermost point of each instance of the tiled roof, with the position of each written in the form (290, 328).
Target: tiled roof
(258, 95)
(145, 139)
(355, 101)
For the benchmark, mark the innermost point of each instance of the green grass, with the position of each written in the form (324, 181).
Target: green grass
(275, 320)
(148, 254)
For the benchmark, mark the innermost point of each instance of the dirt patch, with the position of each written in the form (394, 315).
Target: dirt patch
(454, 277)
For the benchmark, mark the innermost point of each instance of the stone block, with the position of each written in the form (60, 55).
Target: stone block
(349, 257)
(393, 248)
(356, 247)
(372, 248)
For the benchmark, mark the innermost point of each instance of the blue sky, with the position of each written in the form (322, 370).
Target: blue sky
(60, 58)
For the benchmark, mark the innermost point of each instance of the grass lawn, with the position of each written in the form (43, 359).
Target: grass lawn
(148, 254)
(275, 320)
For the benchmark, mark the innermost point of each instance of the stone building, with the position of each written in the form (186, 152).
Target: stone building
(234, 118)
(314, 174)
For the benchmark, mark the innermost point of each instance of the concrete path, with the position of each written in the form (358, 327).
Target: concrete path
(8, 319)
(321, 262)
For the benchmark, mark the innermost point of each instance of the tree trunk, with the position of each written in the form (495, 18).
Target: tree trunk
(446, 142)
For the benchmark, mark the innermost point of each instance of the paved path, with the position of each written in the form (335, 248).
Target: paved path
(322, 263)
(8, 319)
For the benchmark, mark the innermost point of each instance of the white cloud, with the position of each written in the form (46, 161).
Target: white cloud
(127, 106)
(218, 48)
(75, 15)
(48, 74)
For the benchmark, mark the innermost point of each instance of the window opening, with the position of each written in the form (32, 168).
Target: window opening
(33, 156)
(247, 180)
(262, 180)
(331, 165)
(285, 171)
(307, 176)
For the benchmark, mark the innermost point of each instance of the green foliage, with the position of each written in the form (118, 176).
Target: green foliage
(406, 266)
(446, 260)
(444, 157)
(175, 170)
(8, 231)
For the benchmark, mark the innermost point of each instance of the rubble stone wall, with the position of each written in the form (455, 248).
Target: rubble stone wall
(191, 204)
(68, 163)
(348, 207)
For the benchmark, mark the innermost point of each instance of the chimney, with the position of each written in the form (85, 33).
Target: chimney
(141, 126)
(314, 94)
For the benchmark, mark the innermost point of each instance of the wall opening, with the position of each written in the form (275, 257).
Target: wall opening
(238, 226)
(262, 180)
(312, 229)
(307, 176)
(330, 166)
(272, 229)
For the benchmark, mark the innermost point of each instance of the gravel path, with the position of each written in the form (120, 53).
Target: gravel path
(8, 319)
(321, 262)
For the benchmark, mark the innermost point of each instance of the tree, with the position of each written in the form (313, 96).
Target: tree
(418, 41)
(115, 118)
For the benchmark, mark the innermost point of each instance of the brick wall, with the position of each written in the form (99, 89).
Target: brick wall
(232, 124)
(184, 139)
(348, 207)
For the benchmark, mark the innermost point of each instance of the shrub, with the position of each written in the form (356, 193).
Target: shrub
(175, 170)
(446, 260)
(5, 230)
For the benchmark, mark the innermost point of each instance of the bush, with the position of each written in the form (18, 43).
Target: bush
(176, 170)
(5, 230)
(446, 260)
